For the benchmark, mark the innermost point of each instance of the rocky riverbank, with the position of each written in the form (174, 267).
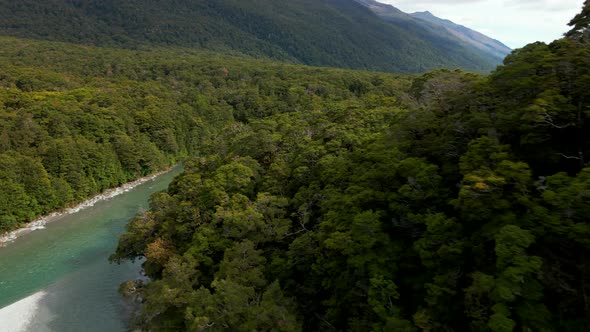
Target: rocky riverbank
(105, 195)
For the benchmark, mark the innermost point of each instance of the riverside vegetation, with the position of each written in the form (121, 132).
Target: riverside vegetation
(316, 198)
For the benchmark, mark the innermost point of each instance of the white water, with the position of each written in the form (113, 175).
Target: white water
(66, 266)
(17, 316)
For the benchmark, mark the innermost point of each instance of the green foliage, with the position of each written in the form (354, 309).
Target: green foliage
(451, 203)
(420, 208)
(319, 199)
(92, 119)
(581, 25)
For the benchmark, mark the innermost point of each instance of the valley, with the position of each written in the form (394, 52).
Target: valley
(346, 166)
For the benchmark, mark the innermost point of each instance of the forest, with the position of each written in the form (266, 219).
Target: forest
(443, 202)
(76, 120)
(319, 199)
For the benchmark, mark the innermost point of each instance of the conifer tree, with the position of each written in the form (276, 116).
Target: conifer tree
(581, 25)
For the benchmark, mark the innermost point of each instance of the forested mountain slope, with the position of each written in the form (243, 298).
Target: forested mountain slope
(450, 202)
(336, 33)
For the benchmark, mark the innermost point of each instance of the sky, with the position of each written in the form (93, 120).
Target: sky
(513, 22)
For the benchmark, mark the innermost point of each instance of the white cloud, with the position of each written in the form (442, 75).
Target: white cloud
(513, 22)
(543, 5)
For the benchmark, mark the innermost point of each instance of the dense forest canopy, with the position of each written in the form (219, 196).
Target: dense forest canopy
(443, 202)
(76, 120)
(317, 198)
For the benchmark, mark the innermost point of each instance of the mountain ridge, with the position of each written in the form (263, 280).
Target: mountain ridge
(475, 39)
(334, 33)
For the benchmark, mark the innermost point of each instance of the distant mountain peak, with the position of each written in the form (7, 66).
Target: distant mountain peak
(424, 13)
(467, 35)
(482, 43)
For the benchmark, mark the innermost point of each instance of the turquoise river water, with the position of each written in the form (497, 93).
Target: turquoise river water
(68, 262)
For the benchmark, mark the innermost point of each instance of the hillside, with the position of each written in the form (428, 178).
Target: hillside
(337, 33)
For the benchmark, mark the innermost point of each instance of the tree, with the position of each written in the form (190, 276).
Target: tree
(581, 25)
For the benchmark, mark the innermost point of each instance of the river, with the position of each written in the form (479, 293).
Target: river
(61, 274)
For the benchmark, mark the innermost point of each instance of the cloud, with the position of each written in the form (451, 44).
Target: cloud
(543, 5)
(537, 5)
(513, 22)
(437, 2)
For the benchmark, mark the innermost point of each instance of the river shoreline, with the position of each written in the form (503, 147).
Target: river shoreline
(40, 223)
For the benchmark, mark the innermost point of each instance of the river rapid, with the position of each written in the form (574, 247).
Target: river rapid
(57, 277)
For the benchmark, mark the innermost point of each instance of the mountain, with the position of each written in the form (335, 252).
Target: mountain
(338, 33)
(470, 36)
(443, 29)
